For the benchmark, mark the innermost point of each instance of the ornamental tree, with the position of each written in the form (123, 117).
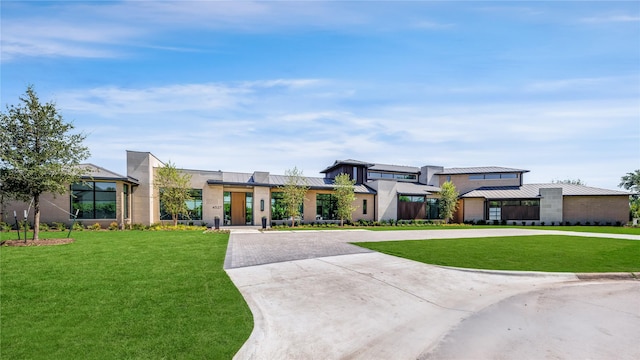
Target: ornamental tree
(174, 189)
(293, 192)
(38, 153)
(345, 196)
(448, 200)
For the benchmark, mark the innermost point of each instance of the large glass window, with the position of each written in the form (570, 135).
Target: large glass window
(194, 208)
(94, 200)
(326, 207)
(433, 209)
(514, 209)
(278, 209)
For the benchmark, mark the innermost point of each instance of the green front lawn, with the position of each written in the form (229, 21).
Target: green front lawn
(121, 295)
(552, 253)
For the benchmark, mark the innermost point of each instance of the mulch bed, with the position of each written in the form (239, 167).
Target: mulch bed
(41, 242)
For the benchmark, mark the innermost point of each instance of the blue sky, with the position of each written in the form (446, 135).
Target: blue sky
(551, 87)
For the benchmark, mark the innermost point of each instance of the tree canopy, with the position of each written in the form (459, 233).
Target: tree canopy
(345, 196)
(174, 189)
(631, 182)
(569, 181)
(448, 200)
(293, 192)
(37, 152)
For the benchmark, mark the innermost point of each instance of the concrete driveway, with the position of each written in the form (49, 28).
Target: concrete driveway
(314, 296)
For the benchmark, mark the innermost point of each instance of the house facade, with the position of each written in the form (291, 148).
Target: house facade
(383, 192)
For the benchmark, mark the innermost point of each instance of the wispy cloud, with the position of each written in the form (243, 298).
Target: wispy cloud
(611, 19)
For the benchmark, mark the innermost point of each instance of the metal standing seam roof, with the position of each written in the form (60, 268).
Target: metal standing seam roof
(530, 191)
(403, 188)
(98, 172)
(246, 179)
(479, 170)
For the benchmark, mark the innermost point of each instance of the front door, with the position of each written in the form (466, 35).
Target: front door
(238, 208)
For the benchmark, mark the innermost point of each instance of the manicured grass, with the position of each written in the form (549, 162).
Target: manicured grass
(121, 295)
(552, 253)
(592, 229)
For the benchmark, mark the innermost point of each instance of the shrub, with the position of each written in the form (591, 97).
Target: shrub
(524, 223)
(78, 226)
(94, 227)
(4, 227)
(542, 223)
(533, 223)
(44, 227)
(113, 226)
(588, 223)
(138, 227)
(578, 223)
(513, 223)
(503, 222)
(618, 223)
(553, 223)
(567, 223)
(59, 226)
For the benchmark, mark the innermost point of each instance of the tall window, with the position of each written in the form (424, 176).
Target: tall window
(364, 206)
(126, 200)
(94, 200)
(227, 208)
(194, 208)
(249, 209)
(354, 176)
(326, 207)
(433, 209)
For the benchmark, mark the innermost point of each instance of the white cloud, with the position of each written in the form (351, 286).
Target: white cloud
(611, 19)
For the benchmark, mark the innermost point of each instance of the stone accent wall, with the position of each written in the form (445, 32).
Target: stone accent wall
(473, 209)
(551, 205)
(605, 209)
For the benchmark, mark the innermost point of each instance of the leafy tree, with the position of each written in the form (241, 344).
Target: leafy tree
(293, 192)
(631, 182)
(569, 181)
(174, 190)
(345, 196)
(448, 200)
(37, 152)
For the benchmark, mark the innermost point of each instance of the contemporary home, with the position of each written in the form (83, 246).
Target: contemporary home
(383, 192)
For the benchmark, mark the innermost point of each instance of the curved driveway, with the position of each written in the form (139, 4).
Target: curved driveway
(314, 296)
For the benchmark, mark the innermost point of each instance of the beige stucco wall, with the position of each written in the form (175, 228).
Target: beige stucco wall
(140, 166)
(473, 209)
(596, 208)
(463, 184)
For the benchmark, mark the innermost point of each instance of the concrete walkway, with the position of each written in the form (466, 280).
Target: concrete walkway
(314, 296)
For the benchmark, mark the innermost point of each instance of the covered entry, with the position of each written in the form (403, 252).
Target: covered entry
(238, 208)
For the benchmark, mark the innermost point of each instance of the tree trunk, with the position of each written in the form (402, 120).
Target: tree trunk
(36, 217)
(175, 219)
